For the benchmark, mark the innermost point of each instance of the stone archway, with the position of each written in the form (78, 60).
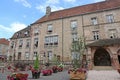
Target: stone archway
(118, 52)
(102, 57)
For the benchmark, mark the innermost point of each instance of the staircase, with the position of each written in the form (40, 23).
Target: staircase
(103, 68)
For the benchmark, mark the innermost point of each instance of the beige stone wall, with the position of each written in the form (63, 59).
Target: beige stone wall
(103, 26)
(62, 28)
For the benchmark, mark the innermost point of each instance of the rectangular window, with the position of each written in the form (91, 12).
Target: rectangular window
(27, 43)
(74, 37)
(113, 33)
(12, 44)
(74, 25)
(19, 55)
(36, 31)
(20, 43)
(34, 55)
(49, 28)
(94, 21)
(26, 33)
(55, 40)
(46, 40)
(51, 40)
(96, 35)
(110, 18)
(35, 42)
(27, 55)
(50, 55)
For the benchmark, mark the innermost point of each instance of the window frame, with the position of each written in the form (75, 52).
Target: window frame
(110, 18)
(96, 35)
(94, 20)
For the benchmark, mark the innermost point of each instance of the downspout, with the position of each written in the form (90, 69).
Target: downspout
(62, 41)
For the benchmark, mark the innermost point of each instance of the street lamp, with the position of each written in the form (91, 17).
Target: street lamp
(48, 60)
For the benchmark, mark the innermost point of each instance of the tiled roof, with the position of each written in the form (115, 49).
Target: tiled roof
(4, 41)
(105, 42)
(22, 33)
(100, 6)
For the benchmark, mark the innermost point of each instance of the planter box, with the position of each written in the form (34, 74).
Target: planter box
(18, 76)
(79, 74)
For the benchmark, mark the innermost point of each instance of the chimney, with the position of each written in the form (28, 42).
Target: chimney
(48, 10)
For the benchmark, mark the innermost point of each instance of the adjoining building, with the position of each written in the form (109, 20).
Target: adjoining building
(4, 44)
(53, 34)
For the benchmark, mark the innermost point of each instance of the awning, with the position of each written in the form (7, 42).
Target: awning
(105, 42)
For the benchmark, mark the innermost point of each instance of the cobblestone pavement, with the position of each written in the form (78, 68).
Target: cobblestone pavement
(92, 75)
(103, 75)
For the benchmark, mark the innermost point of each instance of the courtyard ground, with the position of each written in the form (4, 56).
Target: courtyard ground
(92, 75)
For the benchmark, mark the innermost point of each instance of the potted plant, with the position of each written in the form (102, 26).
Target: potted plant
(55, 64)
(60, 67)
(35, 70)
(47, 72)
(77, 49)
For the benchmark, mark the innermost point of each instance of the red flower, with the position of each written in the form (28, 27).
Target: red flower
(47, 72)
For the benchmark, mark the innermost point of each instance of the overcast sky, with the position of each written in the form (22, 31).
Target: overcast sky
(18, 14)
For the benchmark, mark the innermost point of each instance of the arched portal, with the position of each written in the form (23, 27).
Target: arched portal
(102, 57)
(119, 55)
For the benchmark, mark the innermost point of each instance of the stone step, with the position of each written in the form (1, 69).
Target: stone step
(103, 68)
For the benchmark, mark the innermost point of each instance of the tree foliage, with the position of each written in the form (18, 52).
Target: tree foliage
(36, 63)
(78, 48)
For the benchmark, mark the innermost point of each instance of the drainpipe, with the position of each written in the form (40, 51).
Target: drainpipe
(62, 41)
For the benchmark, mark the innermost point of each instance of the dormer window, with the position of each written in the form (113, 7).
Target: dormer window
(50, 28)
(26, 33)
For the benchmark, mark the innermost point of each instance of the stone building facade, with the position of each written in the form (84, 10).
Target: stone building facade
(53, 34)
(4, 45)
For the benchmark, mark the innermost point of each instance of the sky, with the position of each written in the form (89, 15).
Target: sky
(18, 14)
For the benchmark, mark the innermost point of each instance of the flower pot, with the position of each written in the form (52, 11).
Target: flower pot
(54, 70)
(18, 76)
(77, 74)
(47, 72)
(36, 75)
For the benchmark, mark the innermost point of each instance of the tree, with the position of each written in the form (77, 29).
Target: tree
(36, 63)
(55, 60)
(77, 49)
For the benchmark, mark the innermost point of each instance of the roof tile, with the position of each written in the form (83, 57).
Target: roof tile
(100, 6)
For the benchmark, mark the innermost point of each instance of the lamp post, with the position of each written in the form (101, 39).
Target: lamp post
(48, 59)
